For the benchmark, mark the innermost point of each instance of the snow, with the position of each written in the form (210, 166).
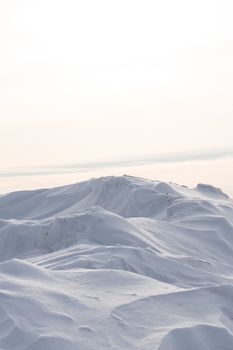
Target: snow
(116, 263)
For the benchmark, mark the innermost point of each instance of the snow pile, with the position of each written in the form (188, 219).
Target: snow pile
(114, 263)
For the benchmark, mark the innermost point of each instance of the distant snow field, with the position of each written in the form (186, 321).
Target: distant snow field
(116, 263)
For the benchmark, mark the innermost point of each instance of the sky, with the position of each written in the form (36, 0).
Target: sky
(106, 86)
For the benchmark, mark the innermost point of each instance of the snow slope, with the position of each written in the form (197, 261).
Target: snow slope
(116, 263)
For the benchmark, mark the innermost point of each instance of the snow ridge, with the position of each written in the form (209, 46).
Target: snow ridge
(116, 262)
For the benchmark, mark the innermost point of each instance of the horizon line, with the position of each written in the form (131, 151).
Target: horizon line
(166, 158)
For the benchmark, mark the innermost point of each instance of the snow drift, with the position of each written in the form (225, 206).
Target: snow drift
(114, 263)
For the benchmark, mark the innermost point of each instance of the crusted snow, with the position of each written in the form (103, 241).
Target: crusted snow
(116, 263)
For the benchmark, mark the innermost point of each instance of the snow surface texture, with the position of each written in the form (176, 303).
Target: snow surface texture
(116, 263)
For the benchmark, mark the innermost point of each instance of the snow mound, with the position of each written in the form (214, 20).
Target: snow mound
(198, 337)
(116, 262)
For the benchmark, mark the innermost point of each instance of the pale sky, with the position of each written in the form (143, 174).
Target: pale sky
(98, 81)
